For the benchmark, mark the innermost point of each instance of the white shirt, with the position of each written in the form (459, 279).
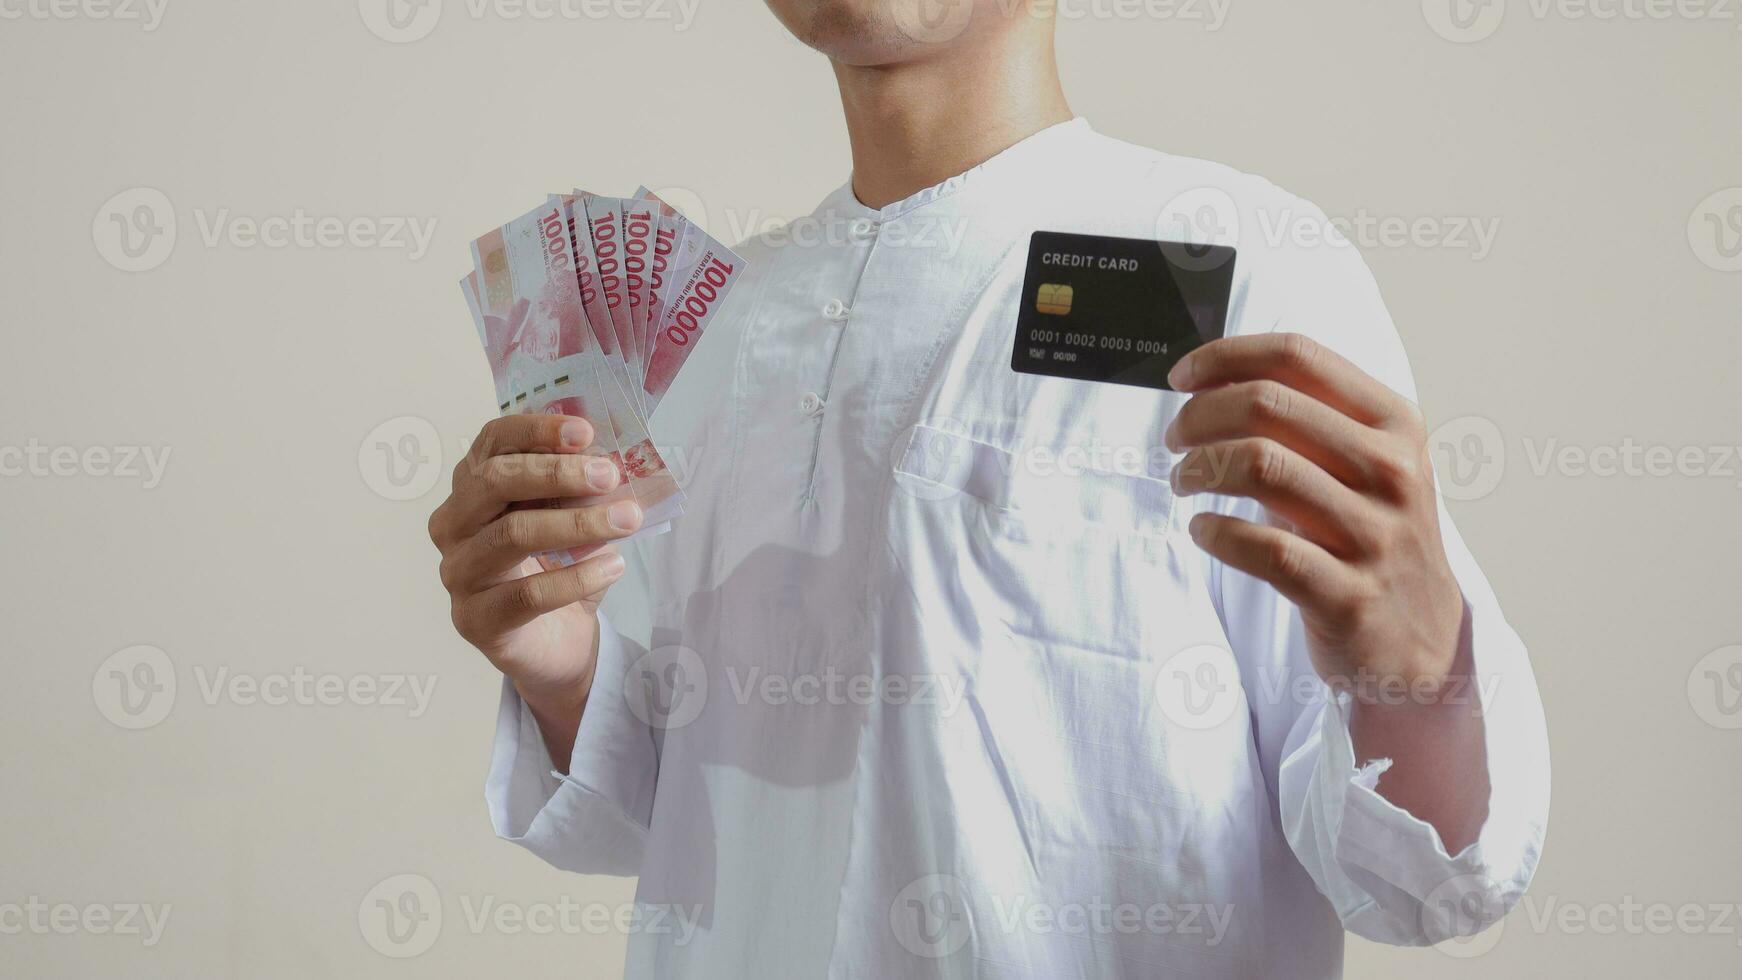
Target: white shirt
(929, 680)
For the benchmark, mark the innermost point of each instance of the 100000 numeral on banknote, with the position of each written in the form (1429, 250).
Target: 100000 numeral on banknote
(589, 306)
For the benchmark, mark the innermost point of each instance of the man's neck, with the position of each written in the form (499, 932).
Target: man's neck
(922, 122)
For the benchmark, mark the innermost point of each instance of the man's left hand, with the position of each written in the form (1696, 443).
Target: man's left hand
(1343, 459)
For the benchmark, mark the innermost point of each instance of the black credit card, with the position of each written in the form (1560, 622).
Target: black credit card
(1119, 310)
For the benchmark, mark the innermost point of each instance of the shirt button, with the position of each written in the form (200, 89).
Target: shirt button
(834, 309)
(862, 228)
(811, 404)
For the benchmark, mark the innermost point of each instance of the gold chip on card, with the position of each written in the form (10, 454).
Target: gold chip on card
(1054, 299)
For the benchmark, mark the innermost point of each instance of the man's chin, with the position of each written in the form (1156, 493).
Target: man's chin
(875, 33)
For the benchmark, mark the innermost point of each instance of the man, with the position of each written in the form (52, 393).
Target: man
(932, 682)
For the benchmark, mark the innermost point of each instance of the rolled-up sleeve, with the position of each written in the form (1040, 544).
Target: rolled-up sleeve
(1386, 873)
(594, 819)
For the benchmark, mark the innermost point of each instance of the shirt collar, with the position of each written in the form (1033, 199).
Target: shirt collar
(1022, 158)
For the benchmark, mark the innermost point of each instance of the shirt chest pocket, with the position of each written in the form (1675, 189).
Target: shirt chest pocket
(1058, 550)
(1058, 592)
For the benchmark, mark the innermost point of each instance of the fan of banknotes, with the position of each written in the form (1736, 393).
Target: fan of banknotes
(589, 306)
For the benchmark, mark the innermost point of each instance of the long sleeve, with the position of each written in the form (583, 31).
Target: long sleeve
(593, 820)
(1387, 873)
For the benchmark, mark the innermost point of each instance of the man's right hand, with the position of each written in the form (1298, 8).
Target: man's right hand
(537, 625)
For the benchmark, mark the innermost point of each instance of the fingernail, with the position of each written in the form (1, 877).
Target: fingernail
(576, 433)
(624, 515)
(601, 474)
(1195, 527)
(611, 567)
(1180, 378)
(1170, 438)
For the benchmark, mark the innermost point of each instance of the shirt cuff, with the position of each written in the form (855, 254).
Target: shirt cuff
(594, 819)
(522, 779)
(1392, 851)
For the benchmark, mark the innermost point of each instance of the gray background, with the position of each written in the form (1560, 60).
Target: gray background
(1605, 314)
